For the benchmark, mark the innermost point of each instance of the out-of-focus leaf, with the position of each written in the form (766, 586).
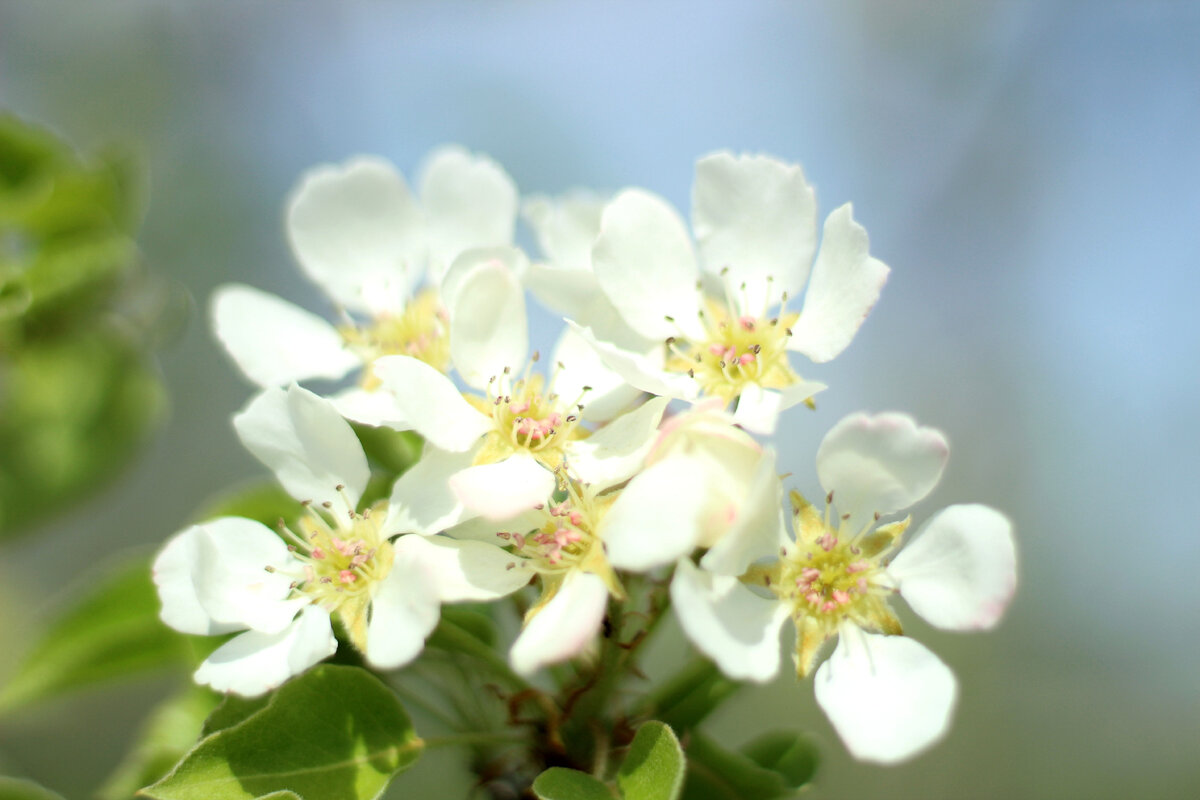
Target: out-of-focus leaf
(792, 755)
(715, 773)
(390, 451)
(263, 501)
(654, 767)
(559, 783)
(688, 697)
(472, 619)
(111, 633)
(20, 789)
(333, 733)
(71, 413)
(168, 734)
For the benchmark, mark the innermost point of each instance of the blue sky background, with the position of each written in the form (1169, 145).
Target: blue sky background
(1029, 170)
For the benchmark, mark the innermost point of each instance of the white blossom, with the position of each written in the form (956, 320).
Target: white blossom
(384, 258)
(754, 220)
(887, 696)
(281, 589)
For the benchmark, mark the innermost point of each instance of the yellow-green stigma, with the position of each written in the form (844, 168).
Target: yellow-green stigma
(341, 564)
(737, 351)
(528, 417)
(421, 331)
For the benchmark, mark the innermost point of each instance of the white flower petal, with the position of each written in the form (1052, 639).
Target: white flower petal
(656, 518)
(357, 233)
(643, 370)
(370, 408)
(880, 463)
(758, 217)
(422, 500)
(431, 403)
(581, 366)
(845, 284)
(274, 342)
(616, 451)
(480, 529)
(888, 697)
(404, 611)
(757, 529)
(488, 330)
(255, 662)
(469, 260)
(173, 576)
(505, 488)
(727, 622)
(566, 227)
(564, 626)
(758, 409)
(644, 262)
(465, 571)
(469, 201)
(230, 577)
(960, 571)
(304, 440)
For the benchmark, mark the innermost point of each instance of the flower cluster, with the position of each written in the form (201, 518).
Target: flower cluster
(631, 453)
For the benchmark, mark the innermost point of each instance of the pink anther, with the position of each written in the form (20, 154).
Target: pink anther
(858, 566)
(317, 553)
(747, 323)
(347, 576)
(746, 358)
(840, 597)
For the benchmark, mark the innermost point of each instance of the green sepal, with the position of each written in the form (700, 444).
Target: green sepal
(654, 768)
(559, 783)
(333, 733)
(112, 633)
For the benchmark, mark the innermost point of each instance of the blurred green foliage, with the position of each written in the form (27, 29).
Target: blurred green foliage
(78, 389)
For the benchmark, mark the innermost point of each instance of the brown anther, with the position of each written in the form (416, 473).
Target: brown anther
(339, 487)
(269, 568)
(327, 504)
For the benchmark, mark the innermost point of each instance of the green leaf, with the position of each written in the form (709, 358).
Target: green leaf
(654, 767)
(689, 696)
(333, 733)
(112, 633)
(715, 773)
(792, 755)
(231, 711)
(19, 789)
(169, 733)
(559, 783)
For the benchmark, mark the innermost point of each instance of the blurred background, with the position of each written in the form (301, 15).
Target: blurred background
(1029, 170)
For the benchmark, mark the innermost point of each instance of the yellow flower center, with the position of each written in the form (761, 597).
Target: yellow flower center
(340, 565)
(421, 331)
(568, 538)
(830, 575)
(737, 351)
(528, 416)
